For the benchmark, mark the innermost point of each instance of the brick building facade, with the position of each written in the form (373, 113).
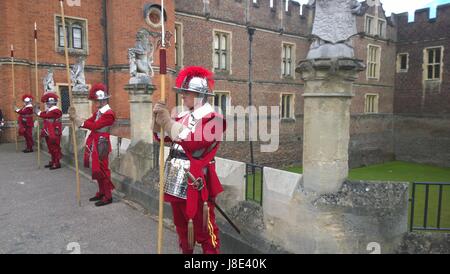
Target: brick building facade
(215, 34)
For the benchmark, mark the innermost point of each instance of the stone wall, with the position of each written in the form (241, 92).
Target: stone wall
(423, 139)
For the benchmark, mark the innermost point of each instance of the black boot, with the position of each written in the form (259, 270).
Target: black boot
(95, 198)
(49, 165)
(103, 202)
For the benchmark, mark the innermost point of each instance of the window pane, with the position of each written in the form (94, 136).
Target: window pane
(223, 104)
(223, 42)
(283, 54)
(430, 72)
(216, 41)
(430, 56)
(283, 67)
(77, 38)
(437, 71)
(288, 52)
(65, 100)
(61, 35)
(216, 60)
(288, 68)
(283, 106)
(223, 61)
(216, 100)
(288, 106)
(403, 61)
(438, 56)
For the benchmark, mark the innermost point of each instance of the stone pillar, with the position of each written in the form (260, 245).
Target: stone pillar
(81, 103)
(141, 115)
(328, 94)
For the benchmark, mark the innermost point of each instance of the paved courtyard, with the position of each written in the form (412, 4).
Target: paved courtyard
(39, 214)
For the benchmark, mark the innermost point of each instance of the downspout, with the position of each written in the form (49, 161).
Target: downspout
(105, 43)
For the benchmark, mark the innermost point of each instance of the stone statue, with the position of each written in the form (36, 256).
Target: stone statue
(334, 25)
(77, 76)
(49, 83)
(141, 59)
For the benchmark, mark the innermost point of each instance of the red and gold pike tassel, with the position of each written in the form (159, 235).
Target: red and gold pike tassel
(191, 234)
(205, 215)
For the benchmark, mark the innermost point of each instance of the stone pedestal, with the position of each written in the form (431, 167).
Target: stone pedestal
(84, 111)
(327, 97)
(81, 103)
(141, 115)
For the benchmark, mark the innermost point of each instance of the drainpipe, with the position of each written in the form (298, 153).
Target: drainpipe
(251, 32)
(105, 43)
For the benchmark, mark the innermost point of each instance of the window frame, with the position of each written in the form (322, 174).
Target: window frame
(228, 51)
(371, 27)
(71, 24)
(426, 63)
(179, 45)
(375, 106)
(292, 60)
(399, 62)
(291, 115)
(370, 62)
(222, 93)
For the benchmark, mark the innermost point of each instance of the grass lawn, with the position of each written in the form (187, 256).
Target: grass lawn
(394, 171)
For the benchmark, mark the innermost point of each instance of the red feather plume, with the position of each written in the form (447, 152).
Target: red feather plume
(190, 72)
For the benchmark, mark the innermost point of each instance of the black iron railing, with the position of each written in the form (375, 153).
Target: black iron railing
(430, 207)
(254, 177)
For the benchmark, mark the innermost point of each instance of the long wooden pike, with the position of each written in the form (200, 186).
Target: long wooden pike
(37, 93)
(14, 93)
(74, 138)
(162, 72)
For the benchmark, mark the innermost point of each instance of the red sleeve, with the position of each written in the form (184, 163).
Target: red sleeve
(106, 120)
(25, 111)
(54, 114)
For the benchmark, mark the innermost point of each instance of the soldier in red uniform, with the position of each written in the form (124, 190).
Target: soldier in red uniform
(195, 135)
(52, 129)
(26, 122)
(98, 144)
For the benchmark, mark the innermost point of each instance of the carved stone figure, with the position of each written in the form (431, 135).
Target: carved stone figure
(49, 82)
(77, 76)
(141, 59)
(334, 25)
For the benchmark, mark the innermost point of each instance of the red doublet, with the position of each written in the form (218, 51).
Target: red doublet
(99, 125)
(52, 132)
(26, 124)
(205, 138)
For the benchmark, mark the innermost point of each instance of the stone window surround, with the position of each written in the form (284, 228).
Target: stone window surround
(293, 60)
(377, 62)
(376, 97)
(292, 106)
(84, 23)
(374, 26)
(229, 34)
(425, 63)
(180, 43)
(58, 92)
(399, 69)
(225, 93)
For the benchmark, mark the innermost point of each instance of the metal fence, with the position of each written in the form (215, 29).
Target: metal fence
(430, 207)
(254, 177)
